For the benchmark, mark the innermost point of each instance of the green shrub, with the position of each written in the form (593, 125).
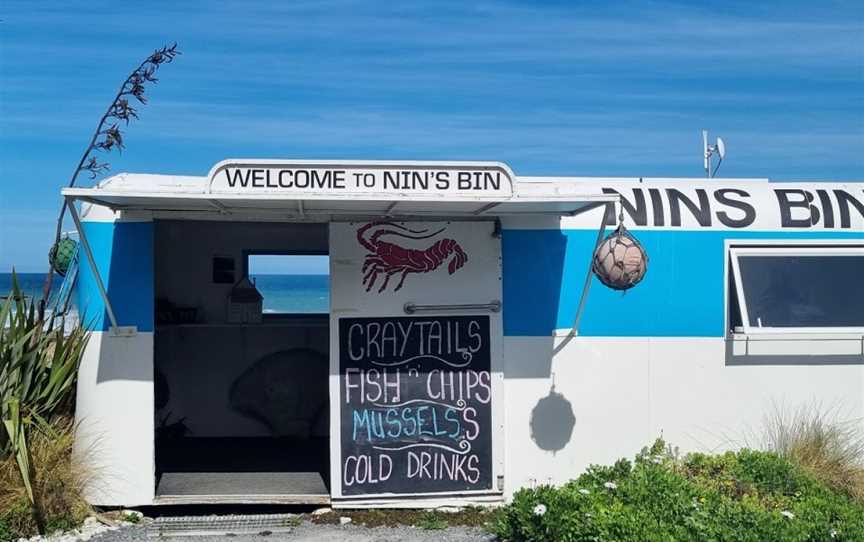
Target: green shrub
(432, 521)
(748, 496)
(134, 517)
(15, 520)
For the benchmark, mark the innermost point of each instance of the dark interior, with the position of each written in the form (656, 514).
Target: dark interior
(226, 454)
(236, 395)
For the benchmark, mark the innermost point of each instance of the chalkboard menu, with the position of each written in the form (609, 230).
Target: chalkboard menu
(415, 403)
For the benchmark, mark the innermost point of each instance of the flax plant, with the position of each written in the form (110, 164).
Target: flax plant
(108, 135)
(38, 369)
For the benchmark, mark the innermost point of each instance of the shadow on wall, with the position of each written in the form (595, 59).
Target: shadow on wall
(842, 351)
(534, 271)
(123, 358)
(541, 285)
(552, 422)
(124, 257)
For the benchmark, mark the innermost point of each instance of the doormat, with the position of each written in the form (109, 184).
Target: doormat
(222, 525)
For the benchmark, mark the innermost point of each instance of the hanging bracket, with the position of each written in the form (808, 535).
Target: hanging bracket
(609, 210)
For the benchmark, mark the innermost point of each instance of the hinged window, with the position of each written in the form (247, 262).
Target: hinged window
(788, 288)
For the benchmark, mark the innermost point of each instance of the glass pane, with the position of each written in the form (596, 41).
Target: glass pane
(804, 291)
(292, 284)
(735, 320)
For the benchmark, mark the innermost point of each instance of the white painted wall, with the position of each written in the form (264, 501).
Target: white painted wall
(626, 392)
(114, 410)
(623, 393)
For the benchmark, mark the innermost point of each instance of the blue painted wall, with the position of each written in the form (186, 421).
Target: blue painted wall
(682, 294)
(124, 256)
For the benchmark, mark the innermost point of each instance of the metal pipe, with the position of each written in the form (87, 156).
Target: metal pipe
(89, 253)
(411, 308)
(579, 311)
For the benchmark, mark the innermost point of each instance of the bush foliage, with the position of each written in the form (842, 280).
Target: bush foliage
(38, 369)
(58, 484)
(737, 496)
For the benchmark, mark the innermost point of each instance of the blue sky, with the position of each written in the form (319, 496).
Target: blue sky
(612, 89)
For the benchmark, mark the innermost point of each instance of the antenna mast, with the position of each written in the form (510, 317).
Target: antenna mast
(708, 151)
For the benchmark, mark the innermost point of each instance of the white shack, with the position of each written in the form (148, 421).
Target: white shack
(468, 349)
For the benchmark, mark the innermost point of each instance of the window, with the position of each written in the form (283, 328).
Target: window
(291, 283)
(797, 288)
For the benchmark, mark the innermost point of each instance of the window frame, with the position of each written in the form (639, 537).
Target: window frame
(774, 248)
(289, 315)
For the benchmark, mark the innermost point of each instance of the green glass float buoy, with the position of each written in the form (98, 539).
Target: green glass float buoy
(61, 254)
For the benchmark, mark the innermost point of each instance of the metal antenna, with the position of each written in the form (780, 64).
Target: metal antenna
(709, 150)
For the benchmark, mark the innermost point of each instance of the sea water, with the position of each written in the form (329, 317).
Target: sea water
(294, 293)
(29, 283)
(282, 293)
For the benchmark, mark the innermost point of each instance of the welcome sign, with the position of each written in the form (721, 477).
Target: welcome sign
(416, 397)
(469, 180)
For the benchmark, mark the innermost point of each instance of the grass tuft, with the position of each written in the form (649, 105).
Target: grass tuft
(815, 439)
(433, 521)
(59, 484)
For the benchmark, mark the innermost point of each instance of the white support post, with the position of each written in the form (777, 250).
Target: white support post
(115, 329)
(608, 210)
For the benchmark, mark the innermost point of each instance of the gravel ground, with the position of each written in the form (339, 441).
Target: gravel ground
(317, 533)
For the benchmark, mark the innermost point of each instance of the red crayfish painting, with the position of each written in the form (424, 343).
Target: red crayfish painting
(388, 258)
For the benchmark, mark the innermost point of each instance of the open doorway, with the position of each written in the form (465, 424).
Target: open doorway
(241, 362)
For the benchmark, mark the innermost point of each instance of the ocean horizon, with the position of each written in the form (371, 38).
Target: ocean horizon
(294, 293)
(282, 293)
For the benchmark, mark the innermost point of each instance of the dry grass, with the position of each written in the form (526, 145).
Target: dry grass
(58, 485)
(471, 516)
(821, 443)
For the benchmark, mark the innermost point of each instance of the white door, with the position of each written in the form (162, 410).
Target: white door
(415, 374)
